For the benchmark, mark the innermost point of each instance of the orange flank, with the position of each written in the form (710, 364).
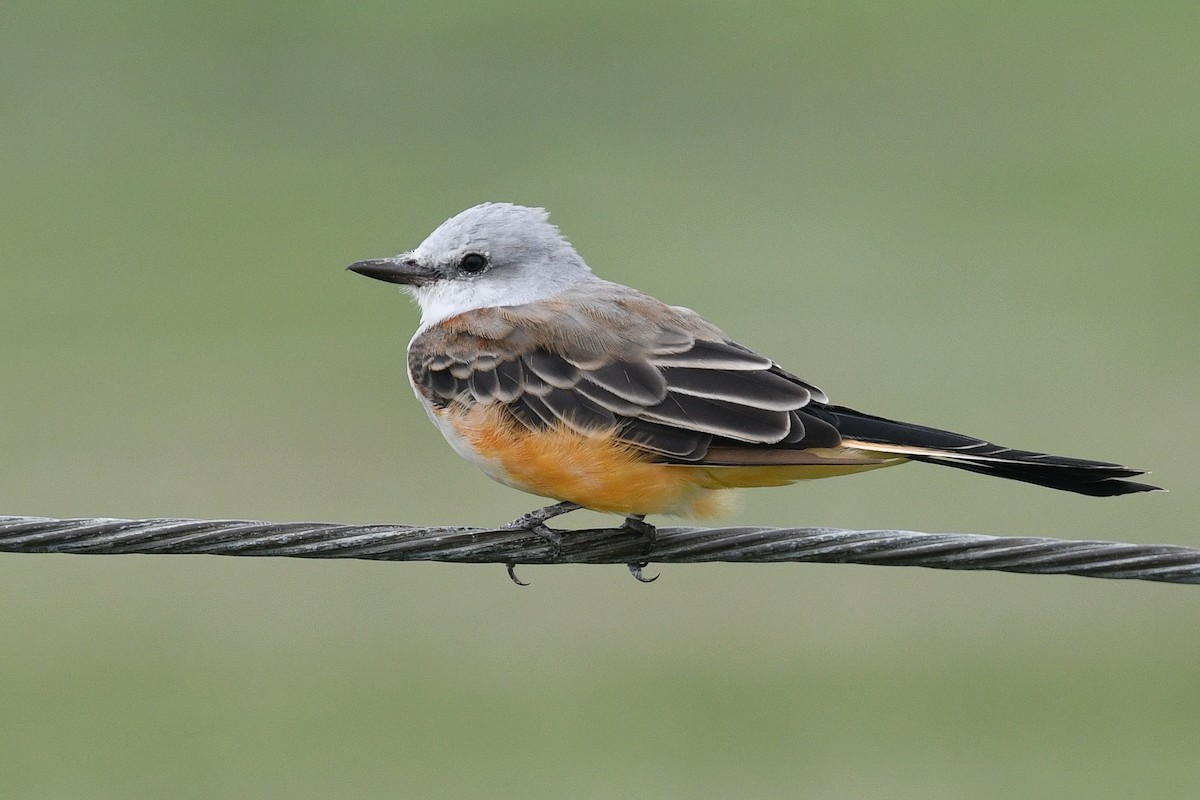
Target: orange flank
(601, 472)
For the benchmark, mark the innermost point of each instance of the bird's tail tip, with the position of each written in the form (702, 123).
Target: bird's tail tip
(921, 443)
(1094, 479)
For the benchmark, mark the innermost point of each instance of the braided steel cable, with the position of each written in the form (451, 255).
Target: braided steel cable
(516, 545)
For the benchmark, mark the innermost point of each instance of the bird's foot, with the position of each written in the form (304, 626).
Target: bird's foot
(636, 523)
(535, 522)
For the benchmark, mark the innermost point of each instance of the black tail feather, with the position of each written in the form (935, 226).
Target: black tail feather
(921, 443)
(1096, 484)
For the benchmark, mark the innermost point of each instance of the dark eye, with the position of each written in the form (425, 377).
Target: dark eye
(473, 263)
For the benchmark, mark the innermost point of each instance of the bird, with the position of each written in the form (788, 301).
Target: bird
(574, 388)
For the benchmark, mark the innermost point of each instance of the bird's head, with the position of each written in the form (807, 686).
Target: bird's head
(493, 254)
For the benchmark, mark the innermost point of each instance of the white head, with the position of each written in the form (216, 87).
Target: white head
(494, 254)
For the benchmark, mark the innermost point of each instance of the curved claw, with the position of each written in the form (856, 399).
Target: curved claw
(512, 574)
(635, 569)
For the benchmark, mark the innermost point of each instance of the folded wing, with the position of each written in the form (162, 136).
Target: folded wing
(676, 398)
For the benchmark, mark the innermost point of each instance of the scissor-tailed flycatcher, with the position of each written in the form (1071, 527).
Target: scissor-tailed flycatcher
(560, 383)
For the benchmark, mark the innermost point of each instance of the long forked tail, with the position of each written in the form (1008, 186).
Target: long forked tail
(919, 443)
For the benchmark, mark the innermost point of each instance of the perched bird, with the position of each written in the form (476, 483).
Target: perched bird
(565, 385)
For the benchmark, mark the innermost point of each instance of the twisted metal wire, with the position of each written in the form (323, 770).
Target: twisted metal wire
(1097, 559)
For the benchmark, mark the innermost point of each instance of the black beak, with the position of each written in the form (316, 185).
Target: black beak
(401, 269)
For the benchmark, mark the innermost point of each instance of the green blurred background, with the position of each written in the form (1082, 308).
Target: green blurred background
(980, 217)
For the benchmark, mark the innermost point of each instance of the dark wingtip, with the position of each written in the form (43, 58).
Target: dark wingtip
(1114, 488)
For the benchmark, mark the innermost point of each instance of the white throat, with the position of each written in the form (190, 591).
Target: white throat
(444, 299)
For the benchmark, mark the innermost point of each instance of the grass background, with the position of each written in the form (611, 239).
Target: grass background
(978, 217)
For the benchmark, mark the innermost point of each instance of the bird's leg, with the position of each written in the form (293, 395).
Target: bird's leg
(636, 523)
(535, 522)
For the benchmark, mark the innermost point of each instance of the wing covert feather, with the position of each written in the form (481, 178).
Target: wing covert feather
(677, 394)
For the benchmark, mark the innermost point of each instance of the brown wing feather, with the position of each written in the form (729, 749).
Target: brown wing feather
(676, 388)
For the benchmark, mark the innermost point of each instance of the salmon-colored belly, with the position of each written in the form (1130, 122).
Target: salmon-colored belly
(600, 472)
